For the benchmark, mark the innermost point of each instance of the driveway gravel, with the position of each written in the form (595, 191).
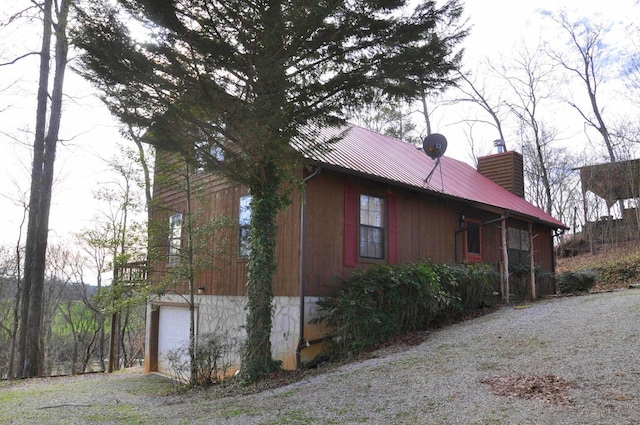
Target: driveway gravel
(587, 344)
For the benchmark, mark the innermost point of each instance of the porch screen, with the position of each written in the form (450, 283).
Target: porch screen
(518, 243)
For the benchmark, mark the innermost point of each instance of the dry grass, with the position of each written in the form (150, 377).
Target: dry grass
(548, 389)
(604, 253)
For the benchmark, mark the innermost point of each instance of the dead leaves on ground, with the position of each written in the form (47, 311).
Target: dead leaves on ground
(548, 388)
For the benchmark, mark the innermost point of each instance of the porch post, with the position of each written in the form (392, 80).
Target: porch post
(532, 264)
(505, 261)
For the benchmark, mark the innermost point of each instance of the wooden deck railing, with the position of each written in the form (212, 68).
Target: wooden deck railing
(133, 273)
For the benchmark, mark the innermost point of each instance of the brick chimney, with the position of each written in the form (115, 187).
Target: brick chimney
(505, 169)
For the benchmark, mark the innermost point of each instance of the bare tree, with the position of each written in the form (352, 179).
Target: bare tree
(195, 242)
(94, 243)
(57, 278)
(564, 183)
(629, 131)
(143, 159)
(491, 104)
(124, 238)
(9, 298)
(48, 117)
(490, 101)
(15, 273)
(392, 119)
(530, 80)
(587, 61)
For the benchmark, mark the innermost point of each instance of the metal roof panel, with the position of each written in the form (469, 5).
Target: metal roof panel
(363, 151)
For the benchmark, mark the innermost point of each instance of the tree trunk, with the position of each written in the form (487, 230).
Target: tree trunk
(74, 354)
(123, 331)
(32, 243)
(191, 277)
(543, 168)
(14, 328)
(11, 372)
(265, 204)
(147, 173)
(100, 317)
(34, 351)
(425, 111)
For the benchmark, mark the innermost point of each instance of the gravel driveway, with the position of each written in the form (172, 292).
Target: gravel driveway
(590, 343)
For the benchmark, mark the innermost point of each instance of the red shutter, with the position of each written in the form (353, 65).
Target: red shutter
(350, 225)
(393, 229)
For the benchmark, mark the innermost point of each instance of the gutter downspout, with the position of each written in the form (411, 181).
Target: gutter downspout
(556, 233)
(302, 342)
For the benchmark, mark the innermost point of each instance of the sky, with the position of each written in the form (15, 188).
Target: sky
(500, 27)
(90, 135)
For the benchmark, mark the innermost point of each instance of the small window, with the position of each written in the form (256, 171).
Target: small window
(217, 153)
(474, 241)
(244, 221)
(205, 160)
(175, 238)
(372, 227)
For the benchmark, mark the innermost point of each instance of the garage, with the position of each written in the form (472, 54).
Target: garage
(173, 333)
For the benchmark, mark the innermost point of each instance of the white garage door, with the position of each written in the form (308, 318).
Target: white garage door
(173, 333)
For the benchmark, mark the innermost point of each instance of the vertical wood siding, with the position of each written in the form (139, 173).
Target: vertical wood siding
(425, 228)
(419, 227)
(228, 274)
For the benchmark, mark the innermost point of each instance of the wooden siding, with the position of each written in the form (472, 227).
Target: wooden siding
(428, 227)
(215, 198)
(505, 169)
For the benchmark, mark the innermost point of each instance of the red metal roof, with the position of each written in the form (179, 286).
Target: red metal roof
(365, 152)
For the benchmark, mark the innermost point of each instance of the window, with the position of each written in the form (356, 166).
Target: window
(209, 149)
(474, 241)
(372, 227)
(244, 221)
(217, 153)
(175, 238)
(203, 160)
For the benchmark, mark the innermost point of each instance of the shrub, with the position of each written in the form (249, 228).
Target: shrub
(213, 353)
(469, 284)
(212, 360)
(384, 301)
(576, 281)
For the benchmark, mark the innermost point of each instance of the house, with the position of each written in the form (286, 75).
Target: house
(366, 201)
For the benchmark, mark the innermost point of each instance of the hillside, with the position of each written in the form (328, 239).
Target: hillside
(617, 264)
(568, 360)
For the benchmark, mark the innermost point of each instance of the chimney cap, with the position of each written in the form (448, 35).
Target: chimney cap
(499, 143)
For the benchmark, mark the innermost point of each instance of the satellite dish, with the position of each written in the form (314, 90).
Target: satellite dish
(434, 145)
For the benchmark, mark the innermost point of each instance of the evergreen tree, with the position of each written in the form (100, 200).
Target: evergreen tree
(245, 79)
